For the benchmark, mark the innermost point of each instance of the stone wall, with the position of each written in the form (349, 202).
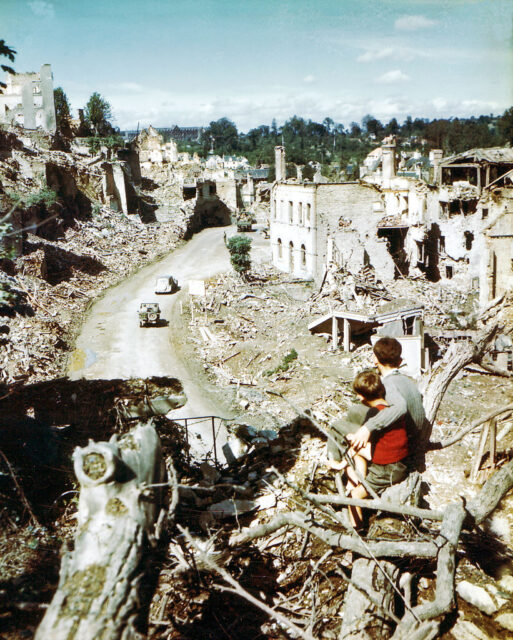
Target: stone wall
(227, 193)
(344, 206)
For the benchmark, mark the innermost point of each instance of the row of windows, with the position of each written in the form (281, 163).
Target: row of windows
(285, 211)
(302, 253)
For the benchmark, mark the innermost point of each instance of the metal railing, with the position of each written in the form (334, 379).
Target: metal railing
(216, 423)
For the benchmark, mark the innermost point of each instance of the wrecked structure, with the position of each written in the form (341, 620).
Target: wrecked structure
(401, 319)
(456, 228)
(28, 101)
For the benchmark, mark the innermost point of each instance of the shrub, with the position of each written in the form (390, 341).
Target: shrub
(239, 248)
(285, 363)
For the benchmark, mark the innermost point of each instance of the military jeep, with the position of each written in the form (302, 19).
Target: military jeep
(149, 314)
(244, 225)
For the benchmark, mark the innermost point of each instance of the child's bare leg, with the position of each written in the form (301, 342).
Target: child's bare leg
(355, 513)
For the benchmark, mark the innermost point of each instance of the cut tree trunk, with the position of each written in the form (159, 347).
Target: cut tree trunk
(362, 620)
(119, 505)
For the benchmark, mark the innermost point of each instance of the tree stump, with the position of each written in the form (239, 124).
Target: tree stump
(362, 620)
(97, 595)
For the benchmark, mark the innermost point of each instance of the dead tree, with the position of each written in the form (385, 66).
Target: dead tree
(119, 506)
(458, 356)
(369, 616)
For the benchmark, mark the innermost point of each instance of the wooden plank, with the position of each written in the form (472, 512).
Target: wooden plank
(480, 450)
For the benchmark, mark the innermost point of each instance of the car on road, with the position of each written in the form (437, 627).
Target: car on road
(149, 314)
(166, 284)
(244, 225)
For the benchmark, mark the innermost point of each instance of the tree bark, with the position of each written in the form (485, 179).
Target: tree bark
(458, 355)
(362, 620)
(119, 504)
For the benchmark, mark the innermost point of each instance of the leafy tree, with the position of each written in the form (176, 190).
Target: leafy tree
(7, 52)
(239, 248)
(6, 295)
(62, 111)
(355, 131)
(224, 135)
(392, 128)
(372, 126)
(97, 114)
(505, 126)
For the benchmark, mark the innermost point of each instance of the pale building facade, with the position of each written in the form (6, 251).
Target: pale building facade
(28, 100)
(293, 229)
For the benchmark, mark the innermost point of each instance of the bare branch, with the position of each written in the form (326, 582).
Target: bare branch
(377, 505)
(240, 591)
(378, 549)
(20, 490)
(459, 436)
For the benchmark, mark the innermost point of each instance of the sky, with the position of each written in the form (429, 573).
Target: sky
(189, 62)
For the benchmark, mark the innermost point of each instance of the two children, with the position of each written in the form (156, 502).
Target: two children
(381, 462)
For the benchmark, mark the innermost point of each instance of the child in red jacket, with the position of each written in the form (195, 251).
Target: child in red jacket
(387, 451)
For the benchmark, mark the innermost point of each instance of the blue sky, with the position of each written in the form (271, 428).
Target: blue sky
(192, 61)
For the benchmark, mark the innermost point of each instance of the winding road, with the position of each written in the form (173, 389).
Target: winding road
(112, 345)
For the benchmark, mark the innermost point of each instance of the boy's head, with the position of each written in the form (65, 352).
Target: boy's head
(388, 352)
(368, 386)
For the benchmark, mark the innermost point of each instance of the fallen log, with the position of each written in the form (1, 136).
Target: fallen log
(119, 507)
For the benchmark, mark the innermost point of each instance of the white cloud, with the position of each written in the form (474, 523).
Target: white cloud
(129, 86)
(391, 77)
(42, 9)
(309, 79)
(371, 55)
(388, 53)
(161, 107)
(413, 23)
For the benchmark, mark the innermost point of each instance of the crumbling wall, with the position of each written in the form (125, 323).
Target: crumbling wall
(496, 273)
(350, 203)
(227, 192)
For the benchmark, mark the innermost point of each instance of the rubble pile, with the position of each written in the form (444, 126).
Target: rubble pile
(93, 255)
(64, 263)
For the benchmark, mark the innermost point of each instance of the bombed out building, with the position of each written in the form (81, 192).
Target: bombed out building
(28, 100)
(455, 227)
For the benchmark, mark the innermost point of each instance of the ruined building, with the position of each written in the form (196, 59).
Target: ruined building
(455, 227)
(28, 100)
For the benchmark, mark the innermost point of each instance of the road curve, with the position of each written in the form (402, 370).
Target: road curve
(112, 345)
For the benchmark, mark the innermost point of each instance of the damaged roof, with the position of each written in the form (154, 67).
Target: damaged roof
(493, 155)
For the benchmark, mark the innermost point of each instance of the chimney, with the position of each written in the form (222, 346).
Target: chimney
(388, 158)
(435, 157)
(279, 153)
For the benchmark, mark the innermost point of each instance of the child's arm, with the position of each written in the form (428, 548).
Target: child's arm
(364, 453)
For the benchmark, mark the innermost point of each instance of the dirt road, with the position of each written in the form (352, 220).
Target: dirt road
(112, 345)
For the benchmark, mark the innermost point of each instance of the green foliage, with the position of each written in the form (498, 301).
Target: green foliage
(6, 52)
(62, 110)
(505, 126)
(239, 248)
(44, 197)
(97, 114)
(222, 135)
(330, 143)
(111, 142)
(284, 364)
